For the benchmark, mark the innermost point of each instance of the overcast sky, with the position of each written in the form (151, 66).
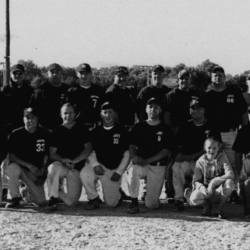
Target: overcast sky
(129, 32)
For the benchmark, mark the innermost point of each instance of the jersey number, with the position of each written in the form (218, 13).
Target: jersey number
(40, 147)
(116, 141)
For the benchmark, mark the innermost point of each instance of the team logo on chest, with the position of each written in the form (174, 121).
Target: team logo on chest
(159, 135)
(116, 138)
(230, 98)
(40, 145)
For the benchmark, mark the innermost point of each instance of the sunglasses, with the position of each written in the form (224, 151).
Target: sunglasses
(17, 73)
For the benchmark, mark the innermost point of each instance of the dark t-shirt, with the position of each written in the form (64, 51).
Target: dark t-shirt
(242, 141)
(15, 100)
(150, 140)
(110, 145)
(147, 93)
(48, 100)
(190, 138)
(177, 103)
(70, 142)
(30, 147)
(225, 109)
(123, 102)
(88, 103)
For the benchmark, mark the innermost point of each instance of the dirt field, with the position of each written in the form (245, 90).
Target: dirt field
(75, 228)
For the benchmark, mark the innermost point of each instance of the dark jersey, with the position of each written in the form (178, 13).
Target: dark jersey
(123, 102)
(177, 103)
(87, 102)
(190, 137)
(242, 141)
(147, 93)
(48, 100)
(225, 109)
(150, 140)
(30, 147)
(70, 142)
(15, 100)
(110, 145)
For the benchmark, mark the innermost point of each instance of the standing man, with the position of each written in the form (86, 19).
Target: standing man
(226, 109)
(49, 98)
(28, 149)
(151, 144)
(108, 161)
(87, 97)
(16, 97)
(156, 89)
(70, 146)
(121, 98)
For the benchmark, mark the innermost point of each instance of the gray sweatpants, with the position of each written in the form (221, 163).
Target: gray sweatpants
(111, 193)
(155, 176)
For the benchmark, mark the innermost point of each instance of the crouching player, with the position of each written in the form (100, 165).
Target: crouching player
(70, 146)
(213, 180)
(108, 160)
(28, 149)
(151, 143)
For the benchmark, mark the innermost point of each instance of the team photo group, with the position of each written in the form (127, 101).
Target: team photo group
(192, 144)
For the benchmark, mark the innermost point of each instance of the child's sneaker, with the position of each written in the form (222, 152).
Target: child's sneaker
(52, 205)
(94, 204)
(133, 207)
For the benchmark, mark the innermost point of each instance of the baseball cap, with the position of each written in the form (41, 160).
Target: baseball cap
(107, 105)
(121, 70)
(30, 111)
(158, 68)
(182, 73)
(54, 66)
(17, 67)
(218, 68)
(84, 67)
(154, 100)
(197, 102)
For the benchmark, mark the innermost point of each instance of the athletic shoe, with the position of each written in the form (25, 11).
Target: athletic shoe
(94, 204)
(52, 205)
(13, 203)
(133, 208)
(178, 206)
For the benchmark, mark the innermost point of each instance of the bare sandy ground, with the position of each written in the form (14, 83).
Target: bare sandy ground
(105, 228)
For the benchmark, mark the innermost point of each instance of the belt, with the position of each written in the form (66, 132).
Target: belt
(158, 163)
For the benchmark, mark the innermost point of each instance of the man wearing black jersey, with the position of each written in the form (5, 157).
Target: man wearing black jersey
(49, 98)
(157, 89)
(28, 149)
(226, 109)
(151, 144)
(87, 97)
(108, 161)
(70, 146)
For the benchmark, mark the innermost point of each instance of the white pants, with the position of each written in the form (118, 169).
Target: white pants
(155, 176)
(111, 193)
(56, 173)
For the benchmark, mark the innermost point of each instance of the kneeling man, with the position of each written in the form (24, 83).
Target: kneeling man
(108, 161)
(151, 143)
(70, 146)
(28, 149)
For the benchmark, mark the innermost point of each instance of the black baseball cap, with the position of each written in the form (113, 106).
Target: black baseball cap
(84, 67)
(182, 73)
(197, 102)
(218, 68)
(54, 66)
(107, 105)
(121, 70)
(154, 100)
(17, 67)
(158, 67)
(30, 111)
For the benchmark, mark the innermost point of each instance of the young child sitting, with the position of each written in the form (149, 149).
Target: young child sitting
(213, 179)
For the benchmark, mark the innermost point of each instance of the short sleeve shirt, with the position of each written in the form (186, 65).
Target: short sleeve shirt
(30, 147)
(110, 145)
(70, 142)
(150, 140)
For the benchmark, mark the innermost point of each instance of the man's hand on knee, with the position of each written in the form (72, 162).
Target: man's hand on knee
(115, 177)
(99, 170)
